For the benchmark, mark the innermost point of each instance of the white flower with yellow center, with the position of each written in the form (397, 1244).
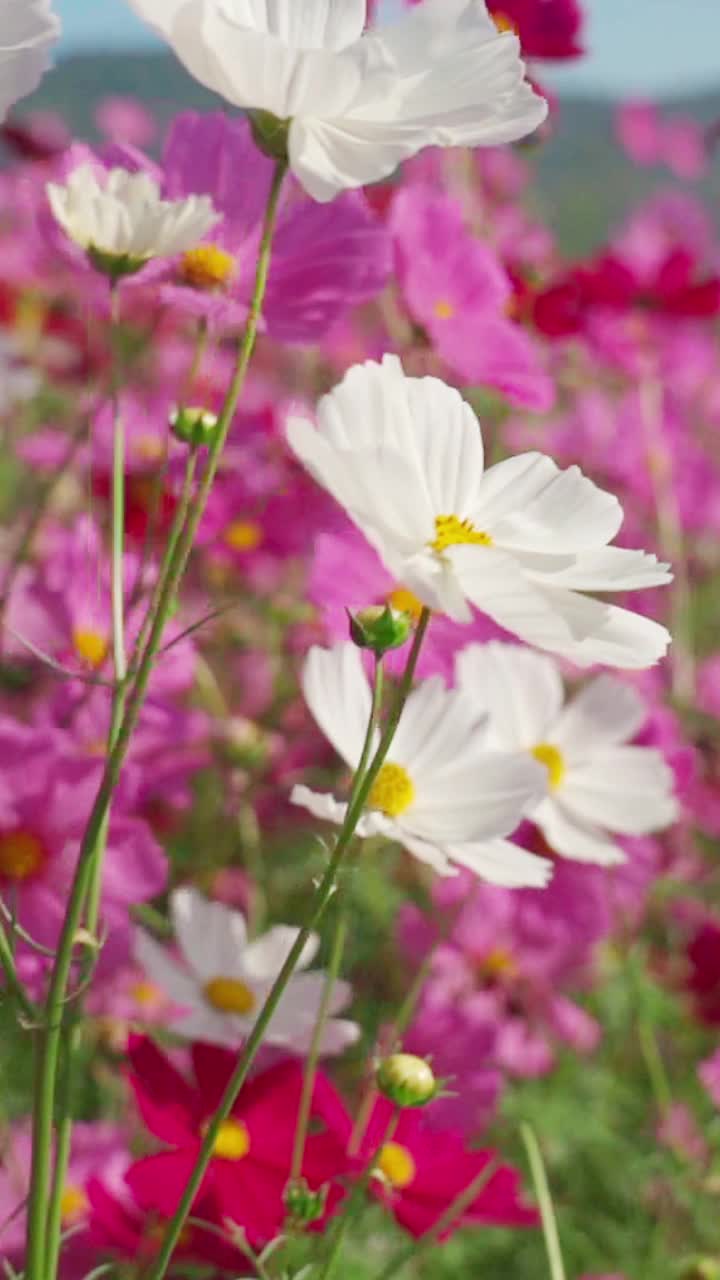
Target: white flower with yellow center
(596, 784)
(520, 540)
(440, 794)
(223, 979)
(354, 104)
(121, 221)
(28, 29)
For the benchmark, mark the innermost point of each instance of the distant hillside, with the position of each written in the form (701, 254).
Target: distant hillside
(584, 186)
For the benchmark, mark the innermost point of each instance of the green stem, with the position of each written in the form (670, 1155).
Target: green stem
(118, 506)
(544, 1199)
(308, 1085)
(362, 785)
(356, 1198)
(14, 985)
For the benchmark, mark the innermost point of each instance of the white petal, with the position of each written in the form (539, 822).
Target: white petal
(265, 956)
(28, 29)
(478, 800)
(605, 713)
(177, 984)
(623, 789)
(498, 586)
(337, 693)
(437, 725)
(212, 937)
(522, 691)
(604, 633)
(567, 514)
(503, 863)
(568, 835)
(314, 24)
(613, 569)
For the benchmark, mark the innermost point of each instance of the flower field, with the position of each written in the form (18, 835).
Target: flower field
(359, 666)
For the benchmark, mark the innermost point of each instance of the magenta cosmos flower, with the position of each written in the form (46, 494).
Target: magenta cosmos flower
(325, 260)
(247, 1177)
(457, 289)
(422, 1171)
(46, 793)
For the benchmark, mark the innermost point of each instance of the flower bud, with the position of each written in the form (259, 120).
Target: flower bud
(406, 1080)
(304, 1205)
(193, 425)
(379, 628)
(270, 134)
(116, 266)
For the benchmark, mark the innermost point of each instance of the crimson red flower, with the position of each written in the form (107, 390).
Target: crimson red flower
(703, 954)
(247, 1178)
(675, 288)
(119, 1226)
(422, 1171)
(547, 28)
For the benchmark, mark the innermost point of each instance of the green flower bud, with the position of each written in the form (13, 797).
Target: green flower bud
(115, 265)
(303, 1205)
(406, 1080)
(270, 134)
(193, 425)
(380, 628)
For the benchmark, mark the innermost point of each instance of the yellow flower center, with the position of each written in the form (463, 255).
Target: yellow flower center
(147, 994)
(451, 531)
(149, 448)
(443, 309)
(207, 267)
(392, 792)
(498, 963)
(73, 1203)
(553, 760)
(397, 1164)
(228, 995)
(504, 23)
(405, 602)
(233, 1141)
(21, 855)
(243, 535)
(90, 645)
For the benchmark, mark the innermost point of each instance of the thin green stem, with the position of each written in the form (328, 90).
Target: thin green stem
(655, 1067)
(356, 1198)
(14, 985)
(118, 504)
(544, 1199)
(308, 1085)
(362, 785)
(456, 1210)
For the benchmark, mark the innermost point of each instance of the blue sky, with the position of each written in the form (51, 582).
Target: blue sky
(638, 47)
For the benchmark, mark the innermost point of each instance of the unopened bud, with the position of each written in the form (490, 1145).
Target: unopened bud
(270, 134)
(379, 628)
(304, 1205)
(116, 266)
(406, 1080)
(193, 425)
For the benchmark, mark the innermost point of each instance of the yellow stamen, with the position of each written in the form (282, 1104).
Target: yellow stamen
(443, 309)
(397, 1164)
(504, 23)
(233, 1140)
(149, 448)
(147, 994)
(243, 535)
(405, 602)
(451, 531)
(90, 645)
(498, 963)
(21, 855)
(207, 267)
(553, 760)
(392, 792)
(228, 995)
(73, 1204)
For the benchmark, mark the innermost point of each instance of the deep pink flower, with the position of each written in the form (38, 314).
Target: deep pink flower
(703, 954)
(247, 1177)
(709, 1072)
(458, 290)
(423, 1170)
(549, 29)
(651, 138)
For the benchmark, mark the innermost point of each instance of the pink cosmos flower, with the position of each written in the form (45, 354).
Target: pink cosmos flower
(247, 1177)
(674, 141)
(709, 1072)
(421, 1171)
(46, 793)
(125, 120)
(457, 289)
(325, 260)
(97, 1148)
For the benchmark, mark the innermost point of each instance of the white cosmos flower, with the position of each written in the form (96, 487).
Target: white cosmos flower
(224, 979)
(440, 794)
(358, 104)
(121, 215)
(28, 29)
(404, 457)
(597, 785)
